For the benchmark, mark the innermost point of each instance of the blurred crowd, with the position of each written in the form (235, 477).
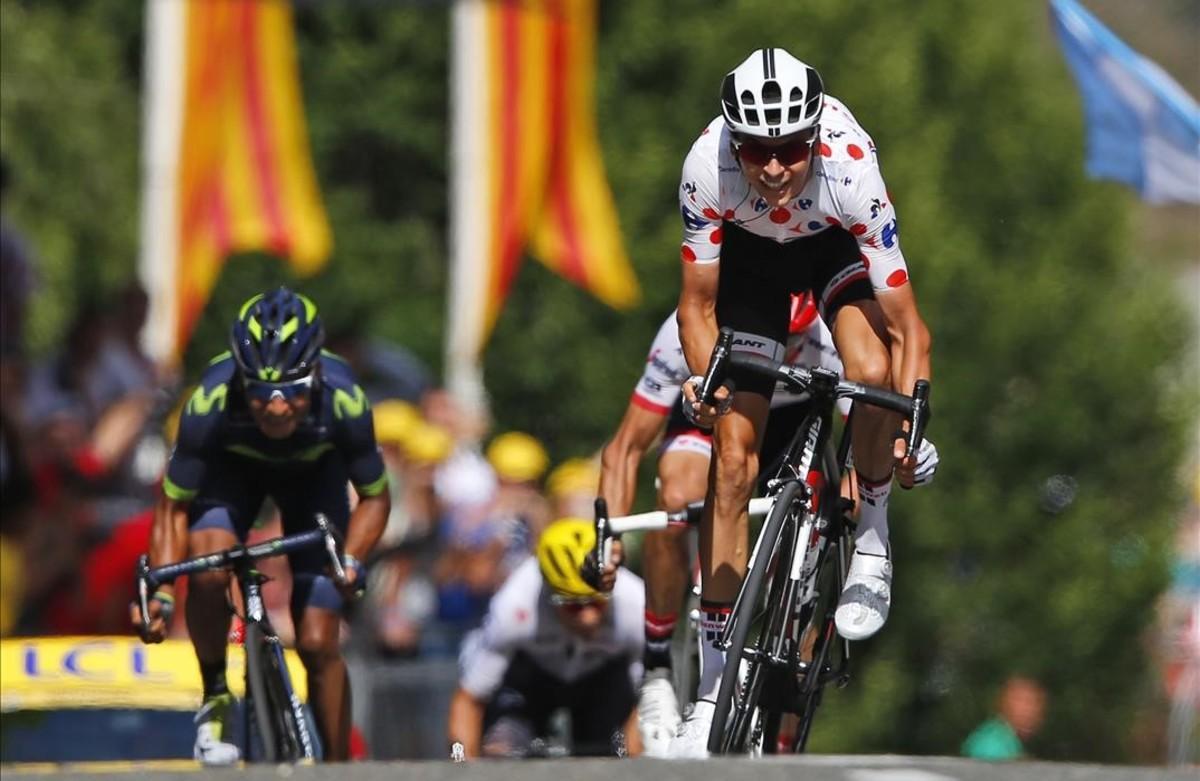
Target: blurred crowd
(87, 431)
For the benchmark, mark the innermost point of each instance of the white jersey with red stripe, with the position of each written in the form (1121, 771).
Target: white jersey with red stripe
(666, 369)
(845, 189)
(521, 619)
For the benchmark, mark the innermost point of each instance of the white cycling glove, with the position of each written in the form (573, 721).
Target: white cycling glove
(690, 412)
(927, 463)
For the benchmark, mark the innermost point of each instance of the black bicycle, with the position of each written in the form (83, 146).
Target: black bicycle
(274, 712)
(781, 645)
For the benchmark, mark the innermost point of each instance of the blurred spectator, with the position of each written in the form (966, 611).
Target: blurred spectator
(1020, 709)
(384, 370)
(401, 595)
(490, 508)
(16, 284)
(573, 486)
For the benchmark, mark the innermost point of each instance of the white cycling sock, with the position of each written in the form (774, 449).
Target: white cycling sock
(713, 617)
(872, 533)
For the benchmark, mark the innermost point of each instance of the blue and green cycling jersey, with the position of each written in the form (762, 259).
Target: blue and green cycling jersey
(216, 425)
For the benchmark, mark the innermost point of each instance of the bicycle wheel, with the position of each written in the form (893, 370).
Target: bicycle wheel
(729, 735)
(831, 576)
(279, 729)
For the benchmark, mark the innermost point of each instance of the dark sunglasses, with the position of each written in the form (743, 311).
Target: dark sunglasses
(790, 152)
(576, 604)
(288, 391)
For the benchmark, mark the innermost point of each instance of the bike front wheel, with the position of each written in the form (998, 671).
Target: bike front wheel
(279, 731)
(733, 715)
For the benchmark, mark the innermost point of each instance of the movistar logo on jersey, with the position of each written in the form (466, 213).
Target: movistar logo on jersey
(269, 374)
(202, 401)
(345, 405)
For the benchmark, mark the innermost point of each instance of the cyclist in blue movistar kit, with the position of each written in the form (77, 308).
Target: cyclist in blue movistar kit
(275, 416)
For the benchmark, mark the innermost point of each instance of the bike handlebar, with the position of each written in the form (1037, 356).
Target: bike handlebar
(915, 408)
(149, 578)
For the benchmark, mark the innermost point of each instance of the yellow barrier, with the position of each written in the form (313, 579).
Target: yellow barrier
(53, 673)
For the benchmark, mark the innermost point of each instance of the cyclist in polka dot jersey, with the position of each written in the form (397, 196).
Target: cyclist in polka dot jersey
(783, 194)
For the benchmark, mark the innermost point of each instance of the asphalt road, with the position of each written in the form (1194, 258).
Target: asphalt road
(809, 768)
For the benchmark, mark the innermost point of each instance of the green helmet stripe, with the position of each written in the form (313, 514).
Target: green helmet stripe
(310, 309)
(246, 306)
(255, 328)
(289, 328)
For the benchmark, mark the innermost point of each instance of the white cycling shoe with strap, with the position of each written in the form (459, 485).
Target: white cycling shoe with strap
(867, 597)
(211, 721)
(658, 714)
(692, 740)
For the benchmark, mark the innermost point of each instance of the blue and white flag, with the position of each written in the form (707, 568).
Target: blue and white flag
(1142, 127)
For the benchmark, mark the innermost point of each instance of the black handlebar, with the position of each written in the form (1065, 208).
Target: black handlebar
(717, 369)
(149, 579)
(914, 408)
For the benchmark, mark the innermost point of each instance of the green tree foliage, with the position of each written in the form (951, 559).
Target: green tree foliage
(1059, 351)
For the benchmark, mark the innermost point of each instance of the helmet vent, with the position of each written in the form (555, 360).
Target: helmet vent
(771, 92)
(747, 97)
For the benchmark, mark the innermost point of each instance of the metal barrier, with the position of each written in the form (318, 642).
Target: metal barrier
(402, 706)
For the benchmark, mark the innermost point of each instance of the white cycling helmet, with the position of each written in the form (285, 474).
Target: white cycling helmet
(771, 94)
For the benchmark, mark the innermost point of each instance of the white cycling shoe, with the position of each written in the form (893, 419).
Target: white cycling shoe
(692, 740)
(867, 597)
(658, 714)
(211, 720)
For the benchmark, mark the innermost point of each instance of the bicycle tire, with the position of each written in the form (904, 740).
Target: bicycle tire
(278, 729)
(749, 600)
(261, 711)
(811, 690)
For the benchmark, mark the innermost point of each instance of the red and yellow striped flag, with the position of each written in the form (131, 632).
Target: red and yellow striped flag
(234, 144)
(527, 167)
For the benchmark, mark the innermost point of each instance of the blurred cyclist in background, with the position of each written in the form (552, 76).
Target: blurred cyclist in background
(551, 641)
(275, 416)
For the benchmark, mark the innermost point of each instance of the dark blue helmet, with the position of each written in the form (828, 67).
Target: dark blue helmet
(277, 337)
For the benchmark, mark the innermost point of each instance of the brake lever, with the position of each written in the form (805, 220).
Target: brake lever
(921, 413)
(143, 590)
(331, 547)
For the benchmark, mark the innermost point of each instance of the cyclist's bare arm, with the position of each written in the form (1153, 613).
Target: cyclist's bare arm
(466, 722)
(623, 454)
(633, 736)
(367, 523)
(698, 313)
(168, 544)
(911, 346)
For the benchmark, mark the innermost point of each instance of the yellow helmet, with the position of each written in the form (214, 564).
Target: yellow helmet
(427, 443)
(394, 419)
(575, 475)
(518, 457)
(561, 551)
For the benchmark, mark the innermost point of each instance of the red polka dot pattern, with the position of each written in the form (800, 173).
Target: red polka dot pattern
(780, 215)
(855, 151)
(729, 214)
(715, 236)
(711, 213)
(834, 221)
(858, 229)
(826, 151)
(897, 278)
(687, 254)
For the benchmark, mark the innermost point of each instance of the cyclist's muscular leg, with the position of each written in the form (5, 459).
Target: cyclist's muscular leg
(683, 478)
(328, 681)
(724, 546)
(862, 341)
(207, 613)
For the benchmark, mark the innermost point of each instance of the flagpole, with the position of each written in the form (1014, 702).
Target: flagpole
(469, 273)
(162, 110)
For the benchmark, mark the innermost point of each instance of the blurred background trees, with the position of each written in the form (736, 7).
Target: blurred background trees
(1064, 357)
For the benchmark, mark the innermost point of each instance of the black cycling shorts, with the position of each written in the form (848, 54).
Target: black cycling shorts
(599, 704)
(758, 276)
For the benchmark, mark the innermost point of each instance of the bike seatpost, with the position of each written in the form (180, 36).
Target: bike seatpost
(717, 365)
